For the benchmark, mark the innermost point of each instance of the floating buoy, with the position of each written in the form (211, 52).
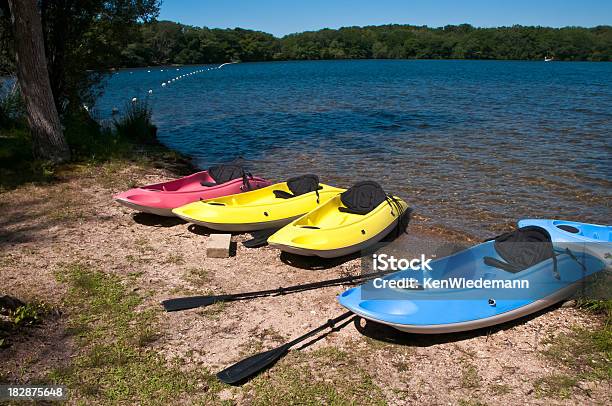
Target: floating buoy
(150, 91)
(168, 82)
(164, 84)
(177, 68)
(149, 71)
(134, 100)
(161, 70)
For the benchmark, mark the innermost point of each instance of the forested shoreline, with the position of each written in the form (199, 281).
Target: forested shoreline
(165, 42)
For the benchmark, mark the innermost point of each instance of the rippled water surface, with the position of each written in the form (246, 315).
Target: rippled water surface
(472, 145)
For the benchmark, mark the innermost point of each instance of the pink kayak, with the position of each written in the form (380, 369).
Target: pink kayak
(217, 181)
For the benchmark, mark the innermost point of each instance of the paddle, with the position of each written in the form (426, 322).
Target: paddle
(258, 362)
(260, 238)
(185, 303)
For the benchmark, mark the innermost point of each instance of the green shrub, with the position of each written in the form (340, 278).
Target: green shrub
(136, 124)
(29, 314)
(89, 141)
(603, 307)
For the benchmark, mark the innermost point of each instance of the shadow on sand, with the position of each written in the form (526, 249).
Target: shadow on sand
(153, 220)
(388, 334)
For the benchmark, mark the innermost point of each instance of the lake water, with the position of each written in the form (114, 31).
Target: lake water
(471, 145)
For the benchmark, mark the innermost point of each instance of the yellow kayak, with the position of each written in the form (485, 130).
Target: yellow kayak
(352, 221)
(270, 207)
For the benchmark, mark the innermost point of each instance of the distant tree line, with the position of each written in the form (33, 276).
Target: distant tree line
(165, 42)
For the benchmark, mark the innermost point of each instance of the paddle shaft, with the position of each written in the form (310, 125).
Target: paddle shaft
(330, 324)
(192, 302)
(305, 286)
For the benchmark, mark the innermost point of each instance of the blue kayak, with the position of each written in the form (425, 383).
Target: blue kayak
(488, 284)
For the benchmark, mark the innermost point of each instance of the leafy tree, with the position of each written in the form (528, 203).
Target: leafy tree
(85, 35)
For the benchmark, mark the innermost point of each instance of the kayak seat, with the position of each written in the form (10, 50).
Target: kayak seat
(281, 194)
(362, 198)
(300, 185)
(522, 249)
(351, 211)
(226, 172)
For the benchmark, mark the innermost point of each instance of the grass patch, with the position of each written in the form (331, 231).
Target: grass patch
(555, 386)
(303, 378)
(197, 276)
(115, 363)
(137, 259)
(251, 347)
(469, 376)
(143, 245)
(499, 389)
(174, 259)
(587, 353)
(213, 311)
(269, 333)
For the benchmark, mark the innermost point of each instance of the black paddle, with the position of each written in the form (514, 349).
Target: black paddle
(185, 303)
(258, 362)
(260, 238)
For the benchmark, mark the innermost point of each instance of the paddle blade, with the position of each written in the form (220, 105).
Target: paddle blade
(184, 303)
(252, 365)
(260, 238)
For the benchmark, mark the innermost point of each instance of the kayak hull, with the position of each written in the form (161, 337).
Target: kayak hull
(165, 212)
(254, 210)
(335, 252)
(242, 227)
(592, 238)
(328, 232)
(161, 198)
(430, 309)
(517, 313)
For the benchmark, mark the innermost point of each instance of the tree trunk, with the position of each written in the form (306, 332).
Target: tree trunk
(47, 138)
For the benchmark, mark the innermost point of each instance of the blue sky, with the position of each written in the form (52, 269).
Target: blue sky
(281, 17)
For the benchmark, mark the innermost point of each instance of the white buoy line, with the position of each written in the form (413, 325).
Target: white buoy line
(184, 75)
(169, 81)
